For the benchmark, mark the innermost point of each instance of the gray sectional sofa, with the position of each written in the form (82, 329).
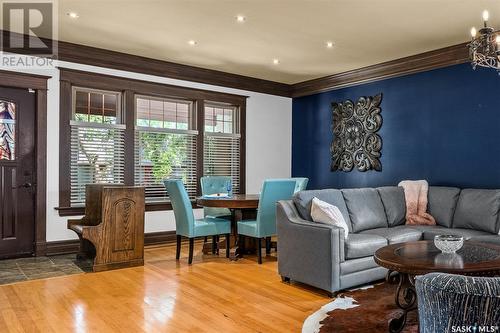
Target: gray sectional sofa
(318, 255)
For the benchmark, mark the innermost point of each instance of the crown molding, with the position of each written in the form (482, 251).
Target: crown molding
(451, 55)
(94, 56)
(87, 55)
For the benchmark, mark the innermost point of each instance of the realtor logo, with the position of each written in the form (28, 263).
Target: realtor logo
(24, 24)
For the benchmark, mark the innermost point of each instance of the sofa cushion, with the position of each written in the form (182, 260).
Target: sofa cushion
(393, 199)
(363, 245)
(442, 202)
(303, 200)
(357, 265)
(477, 210)
(423, 228)
(365, 207)
(466, 233)
(398, 234)
(492, 239)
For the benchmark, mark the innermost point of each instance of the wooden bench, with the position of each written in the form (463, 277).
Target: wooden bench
(112, 230)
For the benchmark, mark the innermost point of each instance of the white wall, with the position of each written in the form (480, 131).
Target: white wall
(268, 143)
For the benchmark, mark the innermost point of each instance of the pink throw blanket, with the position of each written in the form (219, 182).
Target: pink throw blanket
(416, 202)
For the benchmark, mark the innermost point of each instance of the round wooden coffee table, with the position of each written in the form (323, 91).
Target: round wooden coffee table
(422, 257)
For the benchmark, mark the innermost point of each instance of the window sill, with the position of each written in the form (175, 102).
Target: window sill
(150, 207)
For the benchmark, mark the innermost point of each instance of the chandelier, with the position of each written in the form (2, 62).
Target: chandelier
(484, 48)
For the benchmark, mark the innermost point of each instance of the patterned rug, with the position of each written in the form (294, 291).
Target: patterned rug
(367, 309)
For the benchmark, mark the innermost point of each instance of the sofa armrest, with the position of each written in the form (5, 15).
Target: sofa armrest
(447, 300)
(308, 252)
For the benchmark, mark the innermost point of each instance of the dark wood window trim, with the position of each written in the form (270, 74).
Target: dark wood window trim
(129, 88)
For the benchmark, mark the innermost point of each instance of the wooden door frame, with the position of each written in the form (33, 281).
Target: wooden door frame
(39, 84)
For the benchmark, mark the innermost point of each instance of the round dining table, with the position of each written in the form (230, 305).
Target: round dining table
(242, 206)
(233, 202)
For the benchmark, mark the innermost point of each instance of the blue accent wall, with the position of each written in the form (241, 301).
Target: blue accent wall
(442, 125)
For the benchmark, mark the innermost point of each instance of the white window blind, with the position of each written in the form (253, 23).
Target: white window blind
(97, 141)
(97, 156)
(222, 157)
(221, 151)
(165, 145)
(160, 155)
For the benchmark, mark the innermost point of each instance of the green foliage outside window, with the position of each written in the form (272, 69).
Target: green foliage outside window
(166, 153)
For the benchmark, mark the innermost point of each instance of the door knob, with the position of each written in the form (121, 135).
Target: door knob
(25, 185)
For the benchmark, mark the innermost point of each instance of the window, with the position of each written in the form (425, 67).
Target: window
(97, 141)
(222, 143)
(123, 131)
(7, 130)
(165, 145)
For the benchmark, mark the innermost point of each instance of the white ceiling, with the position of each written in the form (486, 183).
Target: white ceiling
(365, 32)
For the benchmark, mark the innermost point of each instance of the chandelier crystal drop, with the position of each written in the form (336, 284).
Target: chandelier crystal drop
(484, 48)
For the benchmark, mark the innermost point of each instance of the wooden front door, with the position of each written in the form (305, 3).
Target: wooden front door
(17, 172)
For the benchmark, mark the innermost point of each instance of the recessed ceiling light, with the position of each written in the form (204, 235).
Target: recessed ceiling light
(276, 61)
(329, 44)
(192, 42)
(240, 18)
(73, 15)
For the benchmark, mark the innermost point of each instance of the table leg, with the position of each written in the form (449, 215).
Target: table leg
(406, 299)
(236, 249)
(236, 215)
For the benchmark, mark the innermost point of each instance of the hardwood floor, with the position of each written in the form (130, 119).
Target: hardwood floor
(212, 295)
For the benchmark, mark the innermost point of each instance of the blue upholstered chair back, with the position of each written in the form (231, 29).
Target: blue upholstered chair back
(183, 211)
(273, 190)
(300, 184)
(446, 301)
(212, 185)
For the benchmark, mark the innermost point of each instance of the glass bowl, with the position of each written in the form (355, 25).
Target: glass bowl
(448, 243)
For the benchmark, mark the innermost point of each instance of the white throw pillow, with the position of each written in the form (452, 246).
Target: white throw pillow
(323, 212)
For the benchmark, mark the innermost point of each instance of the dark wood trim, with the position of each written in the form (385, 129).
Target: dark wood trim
(69, 211)
(200, 140)
(41, 172)
(129, 136)
(150, 207)
(443, 57)
(72, 245)
(122, 61)
(23, 80)
(64, 142)
(94, 56)
(62, 247)
(161, 237)
(243, 145)
(39, 84)
(116, 83)
(452, 55)
(129, 88)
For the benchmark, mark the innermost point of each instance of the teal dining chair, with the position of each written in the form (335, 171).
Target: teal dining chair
(264, 226)
(300, 184)
(185, 223)
(213, 185)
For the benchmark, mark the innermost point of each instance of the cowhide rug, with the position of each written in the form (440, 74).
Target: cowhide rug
(366, 309)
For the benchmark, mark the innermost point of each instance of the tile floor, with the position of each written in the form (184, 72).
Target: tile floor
(23, 269)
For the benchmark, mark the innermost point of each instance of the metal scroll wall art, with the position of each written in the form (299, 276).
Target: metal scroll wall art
(355, 138)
